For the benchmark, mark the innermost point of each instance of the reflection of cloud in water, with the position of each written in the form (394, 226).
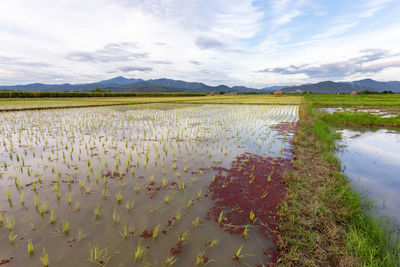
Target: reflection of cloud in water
(372, 161)
(389, 156)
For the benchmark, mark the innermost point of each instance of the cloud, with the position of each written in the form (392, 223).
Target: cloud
(194, 62)
(364, 64)
(109, 53)
(209, 43)
(161, 62)
(131, 68)
(46, 41)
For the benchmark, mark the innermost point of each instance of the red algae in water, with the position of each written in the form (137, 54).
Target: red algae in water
(253, 185)
(147, 234)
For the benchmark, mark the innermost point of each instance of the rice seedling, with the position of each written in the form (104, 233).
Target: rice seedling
(35, 200)
(201, 259)
(30, 247)
(155, 231)
(196, 221)
(140, 252)
(52, 216)
(125, 233)
(43, 209)
(44, 258)
(81, 235)
(252, 216)
(12, 237)
(238, 254)
(65, 227)
(97, 211)
(221, 217)
(182, 238)
(171, 260)
(213, 243)
(116, 216)
(22, 200)
(246, 231)
(99, 255)
(178, 215)
(69, 199)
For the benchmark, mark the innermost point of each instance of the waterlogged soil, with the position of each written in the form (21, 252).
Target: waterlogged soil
(371, 159)
(384, 113)
(186, 184)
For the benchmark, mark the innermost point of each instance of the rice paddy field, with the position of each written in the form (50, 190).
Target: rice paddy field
(13, 104)
(155, 184)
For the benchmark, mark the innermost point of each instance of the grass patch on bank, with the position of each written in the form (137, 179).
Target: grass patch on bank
(360, 119)
(329, 100)
(323, 220)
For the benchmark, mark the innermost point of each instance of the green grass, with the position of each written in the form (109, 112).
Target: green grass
(388, 101)
(323, 220)
(360, 119)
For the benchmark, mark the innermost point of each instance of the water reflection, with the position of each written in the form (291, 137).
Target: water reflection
(371, 159)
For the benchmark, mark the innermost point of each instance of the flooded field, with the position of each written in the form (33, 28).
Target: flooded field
(371, 159)
(384, 113)
(143, 185)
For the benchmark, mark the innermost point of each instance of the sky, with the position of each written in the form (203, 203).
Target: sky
(231, 42)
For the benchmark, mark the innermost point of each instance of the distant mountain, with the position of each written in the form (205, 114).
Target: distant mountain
(122, 84)
(329, 87)
(119, 81)
(272, 88)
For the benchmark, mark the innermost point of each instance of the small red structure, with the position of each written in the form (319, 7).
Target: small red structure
(278, 93)
(353, 93)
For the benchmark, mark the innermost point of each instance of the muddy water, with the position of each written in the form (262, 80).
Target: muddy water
(161, 159)
(371, 159)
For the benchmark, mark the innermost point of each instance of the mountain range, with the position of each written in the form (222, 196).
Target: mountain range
(122, 84)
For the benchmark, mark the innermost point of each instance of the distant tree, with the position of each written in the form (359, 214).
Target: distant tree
(98, 90)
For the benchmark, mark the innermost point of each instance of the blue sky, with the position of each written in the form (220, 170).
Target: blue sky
(233, 42)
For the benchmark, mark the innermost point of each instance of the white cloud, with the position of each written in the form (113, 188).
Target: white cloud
(219, 41)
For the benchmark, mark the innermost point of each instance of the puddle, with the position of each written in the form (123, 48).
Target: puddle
(371, 159)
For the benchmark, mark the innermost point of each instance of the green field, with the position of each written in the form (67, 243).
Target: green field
(375, 100)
